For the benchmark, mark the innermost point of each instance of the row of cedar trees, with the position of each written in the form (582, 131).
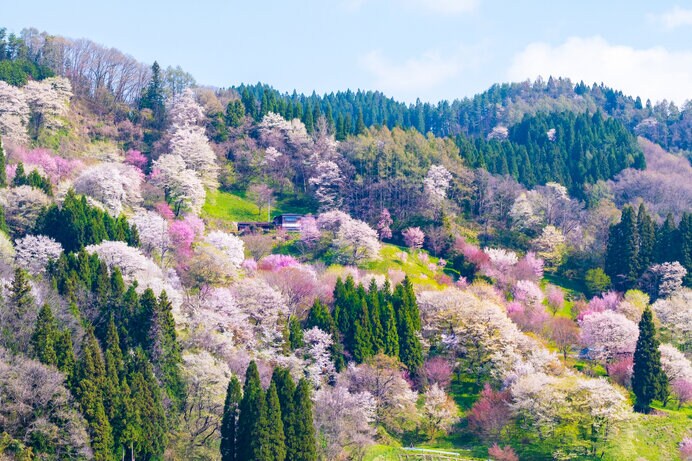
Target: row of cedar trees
(636, 242)
(128, 398)
(271, 425)
(370, 322)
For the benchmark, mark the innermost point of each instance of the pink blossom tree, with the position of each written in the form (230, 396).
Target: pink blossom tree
(384, 225)
(414, 238)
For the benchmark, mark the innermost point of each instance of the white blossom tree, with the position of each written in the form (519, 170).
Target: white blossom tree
(436, 184)
(550, 246)
(115, 185)
(153, 233)
(327, 183)
(33, 252)
(357, 242)
(183, 187)
(674, 363)
(669, 277)
(14, 113)
(320, 368)
(343, 420)
(439, 411)
(675, 316)
(266, 309)
(49, 100)
(22, 205)
(232, 247)
(609, 335)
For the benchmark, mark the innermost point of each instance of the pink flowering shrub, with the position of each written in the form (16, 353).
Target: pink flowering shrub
(54, 166)
(498, 453)
(250, 265)
(530, 267)
(556, 298)
(276, 262)
(606, 302)
(164, 209)
(621, 371)
(10, 171)
(528, 292)
(439, 371)
(136, 159)
(686, 449)
(514, 307)
(682, 389)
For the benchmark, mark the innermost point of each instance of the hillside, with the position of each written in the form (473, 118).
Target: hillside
(195, 273)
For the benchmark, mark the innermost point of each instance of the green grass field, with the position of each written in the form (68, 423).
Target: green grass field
(228, 207)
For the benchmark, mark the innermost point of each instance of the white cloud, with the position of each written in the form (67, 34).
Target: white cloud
(676, 17)
(417, 74)
(654, 73)
(429, 6)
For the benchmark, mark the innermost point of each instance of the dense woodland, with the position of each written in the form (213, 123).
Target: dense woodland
(507, 276)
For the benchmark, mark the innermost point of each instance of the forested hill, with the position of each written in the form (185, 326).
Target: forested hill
(501, 105)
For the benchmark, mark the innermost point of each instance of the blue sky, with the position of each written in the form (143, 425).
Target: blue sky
(432, 49)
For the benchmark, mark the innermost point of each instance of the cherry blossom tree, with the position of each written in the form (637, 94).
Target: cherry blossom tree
(191, 144)
(550, 246)
(231, 246)
(115, 185)
(356, 241)
(266, 309)
(33, 252)
(414, 238)
(320, 368)
(436, 184)
(609, 335)
(153, 233)
(14, 114)
(343, 420)
(309, 232)
(183, 232)
(55, 167)
(498, 453)
(384, 225)
(439, 370)
(49, 101)
(439, 411)
(136, 159)
(327, 183)
(675, 316)
(490, 414)
(674, 363)
(667, 278)
(183, 188)
(22, 205)
(682, 390)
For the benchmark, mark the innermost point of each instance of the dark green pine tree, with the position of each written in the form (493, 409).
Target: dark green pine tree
(391, 335)
(250, 419)
(320, 317)
(19, 175)
(305, 448)
(64, 352)
(3, 161)
(648, 379)
(147, 402)
(667, 241)
(285, 391)
(376, 329)
(140, 328)
(647, 238)
(153, 97)
(3, 221)
(622, 253)
(273, 444)
(90, 383)
(360, 124)
(45, 336)
(410, 350)
(295, 334)
(229, 422)
(685, 232)
(165, 350)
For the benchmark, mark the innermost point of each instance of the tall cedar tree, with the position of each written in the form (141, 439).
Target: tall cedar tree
(285, 391)
(647, 238)
(305, 448)
(273, 439)
(90, 384)
(250, 421)
(165, 350)
(622, 254)
(667, 242)
(154, 98)
(229, 422)
(44, 339)
(648, 379)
